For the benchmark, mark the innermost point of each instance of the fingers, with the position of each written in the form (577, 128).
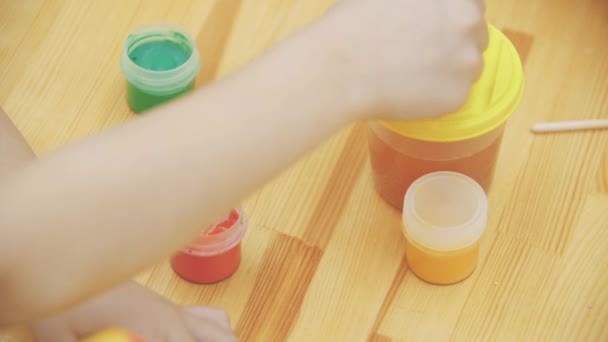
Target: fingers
(207, 331)
(480, 27)
(179, 335)
(472, 63)
(468, 15)
(47, 331)
(208, 324)
(217, 315)
(482, 36)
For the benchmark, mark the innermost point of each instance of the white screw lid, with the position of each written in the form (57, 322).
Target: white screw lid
(445, 211)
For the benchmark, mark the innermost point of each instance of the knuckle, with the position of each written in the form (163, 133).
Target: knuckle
(474, 57)
(476, 12)
(222, 316)
(457, 97)
(472, 61)
(470, 16)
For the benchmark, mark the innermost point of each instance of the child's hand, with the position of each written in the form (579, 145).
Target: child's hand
(406, 59)
(141, 313)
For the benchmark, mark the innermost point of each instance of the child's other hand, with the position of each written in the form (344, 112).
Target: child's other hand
(140, 312)
(406, 59)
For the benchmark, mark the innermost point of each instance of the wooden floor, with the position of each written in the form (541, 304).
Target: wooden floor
(324, 257)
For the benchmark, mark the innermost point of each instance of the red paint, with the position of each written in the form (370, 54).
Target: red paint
(226, 224)
(209, 269)
(398, 163)
(216, 254)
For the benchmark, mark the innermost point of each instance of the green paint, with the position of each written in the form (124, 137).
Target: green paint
(160, 63)
(140, 100)
(160, 55)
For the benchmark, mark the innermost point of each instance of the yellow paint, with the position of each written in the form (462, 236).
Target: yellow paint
(444, 217)
(440, 267)
(111, 335)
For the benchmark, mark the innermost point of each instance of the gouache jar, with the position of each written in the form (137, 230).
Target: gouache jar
(160, 62)
(467, 141)
(216, 254)
(444, 217)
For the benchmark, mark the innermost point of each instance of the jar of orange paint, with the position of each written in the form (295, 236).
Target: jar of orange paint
(444, 217)
(467, 141)
(216, 254)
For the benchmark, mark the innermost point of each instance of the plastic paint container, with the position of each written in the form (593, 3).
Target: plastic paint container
(444, 217)
(467, 141)
(160, 62)
(216, 254)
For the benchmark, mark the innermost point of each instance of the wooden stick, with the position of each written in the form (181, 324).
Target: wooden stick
(561, 126)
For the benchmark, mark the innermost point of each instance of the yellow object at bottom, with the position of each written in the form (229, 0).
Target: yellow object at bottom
(440, 267)
(111, 335)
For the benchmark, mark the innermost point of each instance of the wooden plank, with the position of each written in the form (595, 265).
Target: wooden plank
(280, 285)
(526, 293)
(356, 271)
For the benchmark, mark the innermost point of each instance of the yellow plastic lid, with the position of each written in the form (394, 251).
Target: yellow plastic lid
(491, 102)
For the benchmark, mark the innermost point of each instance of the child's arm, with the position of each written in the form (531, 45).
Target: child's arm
(130, 305)
(92, 214)
(82, 219)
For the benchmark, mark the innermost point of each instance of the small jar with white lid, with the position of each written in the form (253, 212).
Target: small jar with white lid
(444, 217)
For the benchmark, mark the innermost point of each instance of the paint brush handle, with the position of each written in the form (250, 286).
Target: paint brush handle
(561, 126)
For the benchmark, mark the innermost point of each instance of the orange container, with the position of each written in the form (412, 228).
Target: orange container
(466, 142)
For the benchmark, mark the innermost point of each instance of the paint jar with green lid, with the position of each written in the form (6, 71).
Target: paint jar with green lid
(160, 62)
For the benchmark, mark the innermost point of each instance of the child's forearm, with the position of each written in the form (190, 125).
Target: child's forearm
(93, 214)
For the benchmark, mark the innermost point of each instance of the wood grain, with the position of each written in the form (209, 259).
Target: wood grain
(323, 258)
(279, 289)
(213, 37)
(603, 179)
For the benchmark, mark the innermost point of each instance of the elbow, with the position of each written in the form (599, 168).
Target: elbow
(7, 319)
(13, 312)
(11, 315)
(20, 303)
(24, 299)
